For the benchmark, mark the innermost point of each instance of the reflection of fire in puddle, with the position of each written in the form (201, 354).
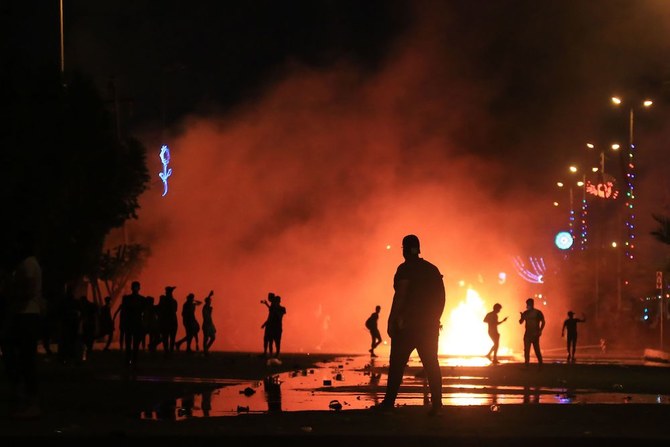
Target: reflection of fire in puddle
(354, 384)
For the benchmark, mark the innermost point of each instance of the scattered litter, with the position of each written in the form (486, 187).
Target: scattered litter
(495, 408)
(248, 391)
(306, 429)
(241, 409)
(335, 405)
(327, 382)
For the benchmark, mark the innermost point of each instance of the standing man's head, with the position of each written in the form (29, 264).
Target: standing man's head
(530, 303)
(135, 286)
(411, 246)
(497, 307)
(571, 314)
(378, 308)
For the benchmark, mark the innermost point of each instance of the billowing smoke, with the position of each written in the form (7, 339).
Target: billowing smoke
(308, 192)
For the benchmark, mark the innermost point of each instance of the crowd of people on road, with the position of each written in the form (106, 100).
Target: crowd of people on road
(144, 324)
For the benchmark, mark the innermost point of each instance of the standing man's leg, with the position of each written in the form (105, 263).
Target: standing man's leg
(427, 350)
(277, 343)
(526, 349)
(128, 341)
(496, 344)
(536, 348)
(401, 348)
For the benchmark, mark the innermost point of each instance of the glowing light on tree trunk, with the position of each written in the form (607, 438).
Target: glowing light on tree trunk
(166, 172)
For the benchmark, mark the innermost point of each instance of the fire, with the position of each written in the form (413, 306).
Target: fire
(465, 333)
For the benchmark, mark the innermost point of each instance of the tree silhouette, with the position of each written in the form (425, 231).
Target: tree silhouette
(67, 175)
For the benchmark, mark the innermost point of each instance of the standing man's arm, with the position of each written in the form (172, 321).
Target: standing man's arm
(395, 321)
(542, 322)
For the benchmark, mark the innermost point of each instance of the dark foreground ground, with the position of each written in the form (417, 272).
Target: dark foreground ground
(98, 402)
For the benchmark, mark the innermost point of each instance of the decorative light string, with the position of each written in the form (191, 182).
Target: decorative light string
(534, 274)
(583, 229)
(629, 205)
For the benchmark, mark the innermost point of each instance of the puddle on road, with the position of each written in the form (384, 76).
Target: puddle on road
(353, 383)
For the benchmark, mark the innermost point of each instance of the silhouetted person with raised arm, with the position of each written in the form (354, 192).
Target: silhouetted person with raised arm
(106, 322)
(20, 328)
(535, 323)
(372, 325)
(267, 342)
(208, 328)
(414, 323)
(167, 320)
(133, 306)
(491, 319)
(570, 325)
(189, 322)
(274, 324)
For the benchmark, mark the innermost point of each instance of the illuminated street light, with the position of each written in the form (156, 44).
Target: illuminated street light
(629, 167)
(581, 183)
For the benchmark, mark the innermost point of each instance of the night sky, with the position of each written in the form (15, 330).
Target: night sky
(308, 137)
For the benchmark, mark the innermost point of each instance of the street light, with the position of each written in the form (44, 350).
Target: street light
(629, 174)
(629, 170)
(582, 218)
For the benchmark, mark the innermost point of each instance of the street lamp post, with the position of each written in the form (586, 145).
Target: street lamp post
(629, 174)
(605, 189)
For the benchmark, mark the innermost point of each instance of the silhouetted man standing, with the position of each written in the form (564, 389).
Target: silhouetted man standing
(20, 328)
(133, 311)
(570, 325)
(414, 322)
(534, 319)
(491, 319)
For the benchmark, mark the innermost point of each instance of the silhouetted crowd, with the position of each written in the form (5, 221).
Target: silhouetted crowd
(75, 323)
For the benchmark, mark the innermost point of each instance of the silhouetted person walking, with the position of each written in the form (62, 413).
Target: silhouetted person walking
(414, 322)
(372, 325)
(491, 319)
(534, 320)
(208, 328)
(570, 325)
(191, 325)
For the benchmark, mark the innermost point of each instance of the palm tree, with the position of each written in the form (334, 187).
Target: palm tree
(662, 233)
